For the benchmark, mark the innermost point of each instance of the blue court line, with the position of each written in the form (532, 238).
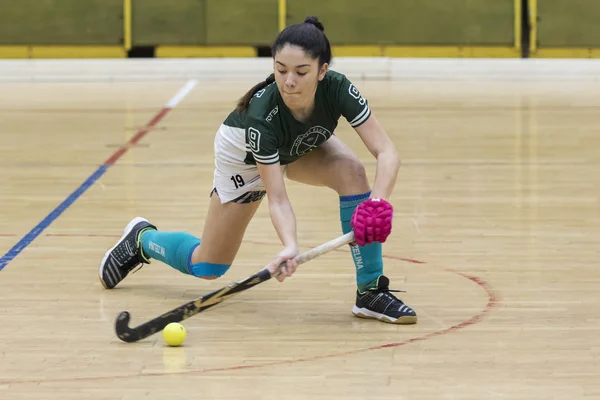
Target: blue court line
(39, 228)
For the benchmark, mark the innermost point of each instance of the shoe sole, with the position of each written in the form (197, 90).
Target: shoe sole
(368, 314)
(126, 232)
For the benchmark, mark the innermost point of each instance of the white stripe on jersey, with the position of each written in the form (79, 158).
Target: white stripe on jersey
(272, 159)
(360, 118)
(266, 159)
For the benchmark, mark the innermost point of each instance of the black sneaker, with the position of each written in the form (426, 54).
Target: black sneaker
(379, 303)
(125, 255)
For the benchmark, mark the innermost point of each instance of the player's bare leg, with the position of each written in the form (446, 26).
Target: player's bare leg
(223, 232)
(208, 258)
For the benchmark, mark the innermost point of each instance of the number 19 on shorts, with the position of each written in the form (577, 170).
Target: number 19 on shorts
(238, 181)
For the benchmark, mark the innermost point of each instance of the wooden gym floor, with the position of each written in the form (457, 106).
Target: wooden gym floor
(495, 240)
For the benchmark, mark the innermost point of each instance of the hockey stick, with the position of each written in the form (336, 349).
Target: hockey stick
(184, 311)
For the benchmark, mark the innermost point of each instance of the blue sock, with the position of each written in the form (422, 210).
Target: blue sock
(172, 248)
(367, 259)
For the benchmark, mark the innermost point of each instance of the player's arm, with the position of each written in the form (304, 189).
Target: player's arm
(265, 153)
(280, 208)
(381, 146)
(263, 144)
(355, 108)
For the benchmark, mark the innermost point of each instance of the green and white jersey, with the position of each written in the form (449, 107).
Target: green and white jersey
(271, 134)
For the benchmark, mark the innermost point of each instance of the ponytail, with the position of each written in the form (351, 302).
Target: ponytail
(243, 103)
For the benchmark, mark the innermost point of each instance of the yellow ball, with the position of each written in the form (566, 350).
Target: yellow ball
(174, 334)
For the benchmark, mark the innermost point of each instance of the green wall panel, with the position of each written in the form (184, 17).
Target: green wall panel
(241, 22)
(61, 22)
(172, 22)
(411, 22)
(255, 22)
(569, 23)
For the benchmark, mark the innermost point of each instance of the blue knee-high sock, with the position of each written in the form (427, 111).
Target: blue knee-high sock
(367, 259)
(172, 248)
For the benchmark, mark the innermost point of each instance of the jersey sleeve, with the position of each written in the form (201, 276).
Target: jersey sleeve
(261, 141)
(354, 107)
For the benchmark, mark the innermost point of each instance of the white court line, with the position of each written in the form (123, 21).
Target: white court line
(184, 91)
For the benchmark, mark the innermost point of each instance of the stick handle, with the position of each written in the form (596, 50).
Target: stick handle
(322, 249)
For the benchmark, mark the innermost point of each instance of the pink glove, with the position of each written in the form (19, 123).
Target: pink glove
(372, 221)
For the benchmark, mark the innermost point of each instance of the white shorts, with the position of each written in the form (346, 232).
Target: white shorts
(233, 179)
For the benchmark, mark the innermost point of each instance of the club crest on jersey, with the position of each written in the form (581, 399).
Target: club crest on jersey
(310, 140)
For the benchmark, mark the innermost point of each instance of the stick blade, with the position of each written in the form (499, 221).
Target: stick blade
(124, 332)
(130, 335)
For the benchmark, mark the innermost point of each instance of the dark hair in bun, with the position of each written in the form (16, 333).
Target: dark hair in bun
(314, 21)
(310, 36)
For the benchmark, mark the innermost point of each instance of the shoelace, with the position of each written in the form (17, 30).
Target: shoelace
(137, 269)
(382, 300)
(389, 296)
(389, 290)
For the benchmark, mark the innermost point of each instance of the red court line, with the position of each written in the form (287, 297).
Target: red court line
(138, 136)
(165, 110)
